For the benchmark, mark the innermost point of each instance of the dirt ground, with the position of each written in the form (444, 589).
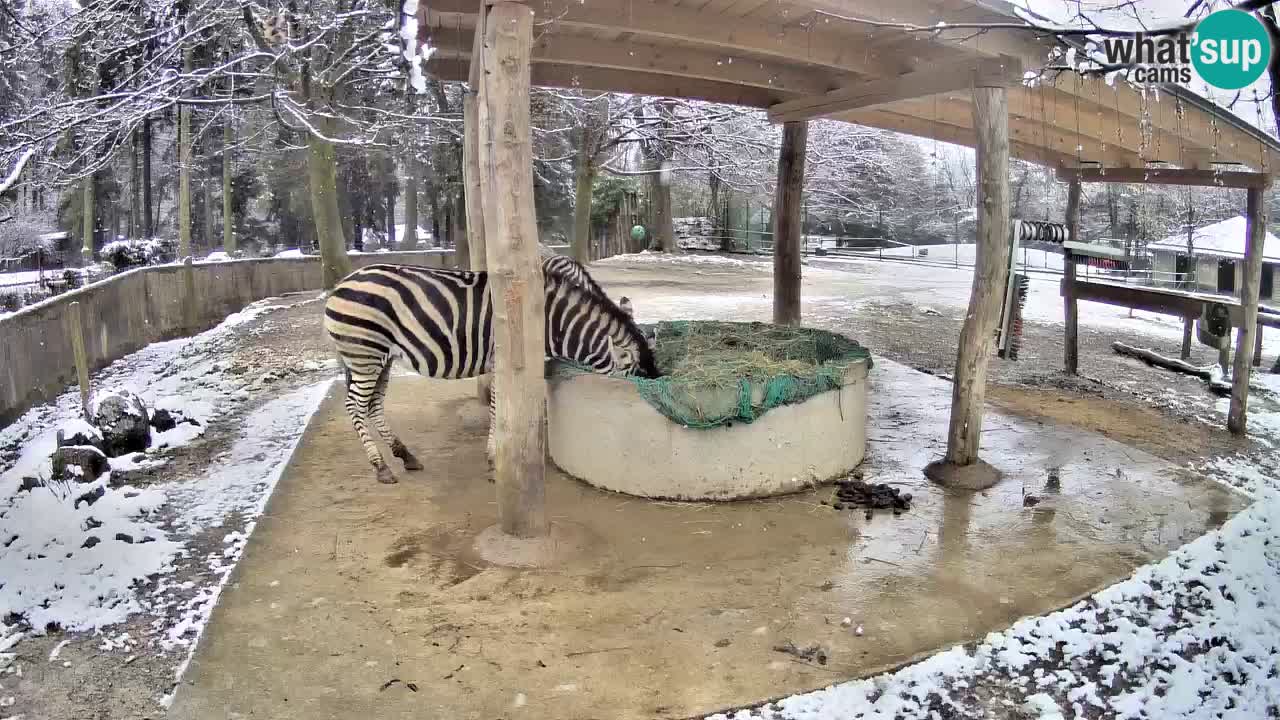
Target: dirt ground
(1116, 397)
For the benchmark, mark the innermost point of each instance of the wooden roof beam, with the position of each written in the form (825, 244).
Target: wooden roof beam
(985, 72)
(1168, 176)
(801, 45)
(626, 81)
(953, 134)
(683, 62)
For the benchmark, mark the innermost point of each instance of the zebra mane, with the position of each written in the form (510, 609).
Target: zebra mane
(610, 308)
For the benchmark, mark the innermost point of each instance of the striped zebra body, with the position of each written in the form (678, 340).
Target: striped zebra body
(441, 323)
(575, 272)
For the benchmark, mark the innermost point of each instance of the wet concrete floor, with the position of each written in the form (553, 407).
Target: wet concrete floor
(357, 600)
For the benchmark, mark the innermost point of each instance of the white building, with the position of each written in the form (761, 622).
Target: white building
(1215, 259)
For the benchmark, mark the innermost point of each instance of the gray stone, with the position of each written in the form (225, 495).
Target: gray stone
(123, 420)
(79, 463)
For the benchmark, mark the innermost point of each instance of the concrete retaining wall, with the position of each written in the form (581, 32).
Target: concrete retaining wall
(125, 312)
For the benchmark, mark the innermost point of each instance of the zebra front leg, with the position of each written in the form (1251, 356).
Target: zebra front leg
(398, 448)
(359, 392)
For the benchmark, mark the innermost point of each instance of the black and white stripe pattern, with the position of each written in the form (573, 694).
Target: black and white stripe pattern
(576, 273)
(441, 323)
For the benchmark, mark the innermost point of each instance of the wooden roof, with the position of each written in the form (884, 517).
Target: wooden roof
(761, 53)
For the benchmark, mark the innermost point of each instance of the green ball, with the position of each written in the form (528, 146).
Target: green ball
(637, 233)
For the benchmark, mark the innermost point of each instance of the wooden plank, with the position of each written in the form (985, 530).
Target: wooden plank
(976, 337)
(1256, 217)
(1168, 176)
(1028, 139)
(1137, 297)
(797, 42)
(1070, 340)
(515, 274)
(787, 223)
(987, 72)
(75, 329)
(686, 62)
(638, 83)
(945, 132)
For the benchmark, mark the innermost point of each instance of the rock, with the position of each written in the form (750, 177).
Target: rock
(90, 497)
(162, 420)
(79, 432)
(90, 542)
(123, 420)
(79, 463)
(29, 484)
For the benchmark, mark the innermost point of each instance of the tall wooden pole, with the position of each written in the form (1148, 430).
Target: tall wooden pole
(991, 121)
(476, 255)
(515, 272)
(787, 225)
(1070, 341)
(1256, 218)
(471, 253)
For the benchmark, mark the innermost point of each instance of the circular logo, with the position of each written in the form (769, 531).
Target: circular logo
(1231, 49)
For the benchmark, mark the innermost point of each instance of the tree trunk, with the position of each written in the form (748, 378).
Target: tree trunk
(184, 166)
(410, 239)
(209, 227)
(228, 220)
(787, 229)
(322, 171)
(135, 197)
(391, 223)
(585, 176)
(991, 120)
(89, 210)
(148, 222)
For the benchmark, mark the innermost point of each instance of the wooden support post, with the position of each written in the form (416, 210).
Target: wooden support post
(1070, 339)
(1188, 325)
(471, 177)
(787, 229)
(473, 255)
(515, 272)
(75, 329)
(1257, 347)
(1256, 218)
(991, 122)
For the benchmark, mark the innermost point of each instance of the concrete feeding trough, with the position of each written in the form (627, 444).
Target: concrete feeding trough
(687, 439)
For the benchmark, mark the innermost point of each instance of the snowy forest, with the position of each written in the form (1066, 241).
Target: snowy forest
(212, 126)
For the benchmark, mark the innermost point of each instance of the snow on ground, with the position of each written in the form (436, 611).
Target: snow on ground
(28, 277)
(77, 565)
(661, 258)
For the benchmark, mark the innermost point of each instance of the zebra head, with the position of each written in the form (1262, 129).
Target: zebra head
(590, 329)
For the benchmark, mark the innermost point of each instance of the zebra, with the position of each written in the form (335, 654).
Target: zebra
(575, 272)
(441, 322)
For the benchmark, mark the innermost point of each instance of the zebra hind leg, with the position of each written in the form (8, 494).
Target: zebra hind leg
(398, 448)
(360, 390)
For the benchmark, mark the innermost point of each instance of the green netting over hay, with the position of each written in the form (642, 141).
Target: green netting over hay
(716, 373)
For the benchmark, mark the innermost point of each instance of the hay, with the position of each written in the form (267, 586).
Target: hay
(717, 373)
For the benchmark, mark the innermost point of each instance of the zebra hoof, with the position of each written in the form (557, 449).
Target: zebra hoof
(411, 462)
(385, 476)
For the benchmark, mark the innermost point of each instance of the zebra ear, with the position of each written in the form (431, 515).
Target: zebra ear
(624, 304)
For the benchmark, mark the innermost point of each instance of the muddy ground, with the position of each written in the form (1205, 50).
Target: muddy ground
(1120, 398)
